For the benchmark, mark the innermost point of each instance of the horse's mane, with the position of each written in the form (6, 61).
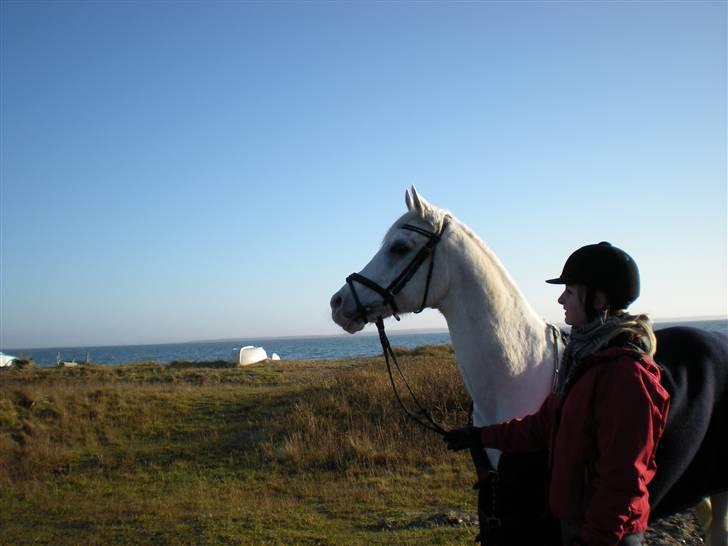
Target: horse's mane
(495, 261)
(434, 217)
(441, 215)
(474, 237)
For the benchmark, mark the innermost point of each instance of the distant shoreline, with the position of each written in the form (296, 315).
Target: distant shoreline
(391, 332)
(412, 331)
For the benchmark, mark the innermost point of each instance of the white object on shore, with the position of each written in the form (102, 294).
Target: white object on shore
(248, 355)
(7, 360)
(67, 364)
(275, 356)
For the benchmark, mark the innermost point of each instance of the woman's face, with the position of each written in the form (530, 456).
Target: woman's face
(571, 300)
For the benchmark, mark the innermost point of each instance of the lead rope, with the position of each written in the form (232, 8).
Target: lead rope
(428, 422)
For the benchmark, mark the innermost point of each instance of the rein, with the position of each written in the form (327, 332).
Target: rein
(422, 416)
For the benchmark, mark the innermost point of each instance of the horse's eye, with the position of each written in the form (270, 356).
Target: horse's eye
(399, 248)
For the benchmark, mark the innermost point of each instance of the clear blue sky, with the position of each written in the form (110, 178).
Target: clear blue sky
(177, 171)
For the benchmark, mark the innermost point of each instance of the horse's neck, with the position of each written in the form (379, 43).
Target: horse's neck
(502, 346)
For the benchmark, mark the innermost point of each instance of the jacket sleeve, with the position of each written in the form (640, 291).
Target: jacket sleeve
(530, 433)
(628, 426)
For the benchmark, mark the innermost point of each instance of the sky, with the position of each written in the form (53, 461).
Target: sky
(175, 171)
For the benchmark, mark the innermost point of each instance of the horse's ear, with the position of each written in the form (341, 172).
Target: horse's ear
(419, 204)
(416, 204)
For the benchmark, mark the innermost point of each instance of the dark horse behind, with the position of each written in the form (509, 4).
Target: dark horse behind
(692, 457)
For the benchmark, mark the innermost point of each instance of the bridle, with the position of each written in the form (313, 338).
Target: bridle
(422, 417)
(395, 287)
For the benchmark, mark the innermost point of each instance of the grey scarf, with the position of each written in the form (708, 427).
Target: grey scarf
(586, 340)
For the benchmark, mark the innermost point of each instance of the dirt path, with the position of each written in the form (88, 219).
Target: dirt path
(678, 530)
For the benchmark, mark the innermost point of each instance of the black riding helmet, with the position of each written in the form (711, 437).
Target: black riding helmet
(603, 267)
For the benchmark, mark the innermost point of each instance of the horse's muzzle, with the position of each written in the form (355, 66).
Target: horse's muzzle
(343, 314)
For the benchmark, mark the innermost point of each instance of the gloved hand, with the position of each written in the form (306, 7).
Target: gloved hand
(463, 438)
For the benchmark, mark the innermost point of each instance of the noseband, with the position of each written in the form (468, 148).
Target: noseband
(395, 287)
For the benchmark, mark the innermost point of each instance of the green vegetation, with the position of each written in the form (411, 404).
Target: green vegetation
(277, 453)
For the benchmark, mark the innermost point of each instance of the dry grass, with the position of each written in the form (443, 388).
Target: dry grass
(285, 452)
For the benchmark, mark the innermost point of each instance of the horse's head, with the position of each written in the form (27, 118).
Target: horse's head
(403, 276)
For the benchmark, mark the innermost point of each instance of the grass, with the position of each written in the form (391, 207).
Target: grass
(285, 452)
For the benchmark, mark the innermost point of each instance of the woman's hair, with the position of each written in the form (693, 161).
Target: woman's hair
(638, 328)
(587, 295)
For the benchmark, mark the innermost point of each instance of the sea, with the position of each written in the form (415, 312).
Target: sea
(288, 348)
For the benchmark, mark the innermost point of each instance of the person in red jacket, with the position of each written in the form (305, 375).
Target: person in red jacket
(604, 418)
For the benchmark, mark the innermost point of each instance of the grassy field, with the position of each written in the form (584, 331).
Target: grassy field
(277, 453)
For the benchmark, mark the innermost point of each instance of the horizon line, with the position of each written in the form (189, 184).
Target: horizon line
(313, 336)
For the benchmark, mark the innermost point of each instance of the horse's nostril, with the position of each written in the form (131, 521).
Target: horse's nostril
(336, 301)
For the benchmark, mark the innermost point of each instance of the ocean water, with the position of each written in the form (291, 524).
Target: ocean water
(292, 348)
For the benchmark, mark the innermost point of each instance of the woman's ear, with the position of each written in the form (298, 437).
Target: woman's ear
(601, 301)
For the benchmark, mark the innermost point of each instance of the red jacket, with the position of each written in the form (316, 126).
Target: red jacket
(602, 439)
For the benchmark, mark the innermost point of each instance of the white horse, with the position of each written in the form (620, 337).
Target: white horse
(504, 350)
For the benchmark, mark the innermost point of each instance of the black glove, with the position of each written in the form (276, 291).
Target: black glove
(463, 438)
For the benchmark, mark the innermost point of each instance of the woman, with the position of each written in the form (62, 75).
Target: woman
(604, 418)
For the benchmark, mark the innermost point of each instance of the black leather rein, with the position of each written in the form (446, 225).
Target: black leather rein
(422, 417)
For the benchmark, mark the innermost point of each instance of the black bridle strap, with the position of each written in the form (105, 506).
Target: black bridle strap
(386, 294)
(428, 422)
(422, 416)
(425, 252)
(555, 336)
(427, 283)
(390, 292)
